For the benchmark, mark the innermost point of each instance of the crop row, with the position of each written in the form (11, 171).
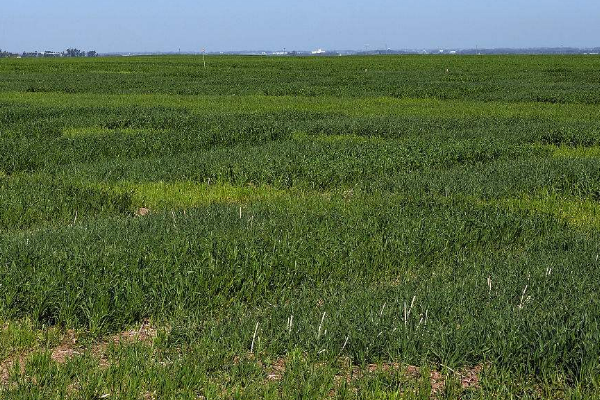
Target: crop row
(104, 275)
(537, 79)
(51, 138)
(468, 169)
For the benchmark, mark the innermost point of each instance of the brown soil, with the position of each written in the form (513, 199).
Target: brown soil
(7, 365)
(69, 347)
(469, 377)
(140, 212)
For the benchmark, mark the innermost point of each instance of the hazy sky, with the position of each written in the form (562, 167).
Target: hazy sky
(221, 25)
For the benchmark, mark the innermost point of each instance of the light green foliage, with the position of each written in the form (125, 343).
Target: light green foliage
(300, 227)
(583, 213)
(183, 195)
(19, 337)
(103, 131)
(575, 152)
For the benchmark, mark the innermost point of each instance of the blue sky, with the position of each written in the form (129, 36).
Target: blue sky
(166, 25)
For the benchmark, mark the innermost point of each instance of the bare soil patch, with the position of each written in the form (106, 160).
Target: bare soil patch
(141, 212)
(70, 347)
(469, 377)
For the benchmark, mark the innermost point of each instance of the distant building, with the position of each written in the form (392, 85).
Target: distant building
(49, 53)
(54, 54)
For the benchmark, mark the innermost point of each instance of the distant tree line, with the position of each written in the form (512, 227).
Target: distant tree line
(5, 54)
(79, 53)
(71, 52)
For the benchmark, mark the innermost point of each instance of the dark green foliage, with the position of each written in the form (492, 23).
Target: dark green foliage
(399, 213)
(29, 201)
(516, 78)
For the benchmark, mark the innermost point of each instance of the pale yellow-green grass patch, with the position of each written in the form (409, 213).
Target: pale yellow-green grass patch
(75, 132)
(350, 138)
(181, 195)
(582, 213)
(113, 72)
(16, 336)
(575, 152)
(376, 106)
